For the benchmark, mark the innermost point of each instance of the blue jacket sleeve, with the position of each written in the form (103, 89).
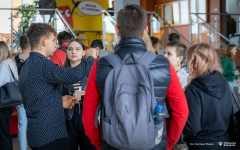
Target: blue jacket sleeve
(193, 124)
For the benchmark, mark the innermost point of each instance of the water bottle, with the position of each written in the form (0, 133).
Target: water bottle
(158, 113)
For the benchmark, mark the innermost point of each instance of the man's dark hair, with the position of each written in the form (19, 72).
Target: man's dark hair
(24, 42)
(63, 37)
(180, 49)
(131, 21)
(38, 30)
(154, 40)
(96, 43)
(173, 37)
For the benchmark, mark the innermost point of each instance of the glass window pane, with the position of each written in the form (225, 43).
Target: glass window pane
(184, 12)
(175, 7)
(202, 9)
(159, 10)
(167, 13)
(194, 10)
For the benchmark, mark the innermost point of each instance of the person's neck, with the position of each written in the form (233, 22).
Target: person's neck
(177, 68)
(25, 51)
(74, 63)
(40, 51)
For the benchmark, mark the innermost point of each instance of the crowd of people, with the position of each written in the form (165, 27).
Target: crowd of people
(76, 99)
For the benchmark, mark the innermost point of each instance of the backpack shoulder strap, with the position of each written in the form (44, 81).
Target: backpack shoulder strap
(113, 59)
(63, 49)
(17, 59)
(147, 58)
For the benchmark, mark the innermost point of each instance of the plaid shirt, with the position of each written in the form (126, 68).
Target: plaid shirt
(39, 83)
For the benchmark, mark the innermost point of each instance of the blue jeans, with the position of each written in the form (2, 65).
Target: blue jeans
(22, 127)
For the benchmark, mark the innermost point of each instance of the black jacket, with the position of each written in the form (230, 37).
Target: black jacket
(159, 69)
(210, 107)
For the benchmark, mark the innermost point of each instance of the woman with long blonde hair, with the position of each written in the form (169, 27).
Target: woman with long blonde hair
(209, 100)
(228, 64)
(6, 65)
(148, 43)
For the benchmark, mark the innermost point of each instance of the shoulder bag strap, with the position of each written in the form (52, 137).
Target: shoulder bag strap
(10, 66)
(17, 59)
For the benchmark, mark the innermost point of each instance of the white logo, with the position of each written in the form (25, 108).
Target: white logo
(220, 143)
(159, 137)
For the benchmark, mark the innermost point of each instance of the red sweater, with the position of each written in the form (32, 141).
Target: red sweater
(59, 56)
(175, 96)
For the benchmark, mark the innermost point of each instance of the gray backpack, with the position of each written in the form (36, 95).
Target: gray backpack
(128, 104)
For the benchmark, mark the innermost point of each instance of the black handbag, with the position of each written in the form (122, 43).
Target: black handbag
(234, 128)
(10, 95)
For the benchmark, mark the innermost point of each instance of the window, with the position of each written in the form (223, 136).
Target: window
(198, 6)
(194, 10)
(184, 9)
(176, 17)
(167, 13)
(177, 13)
(159, 10)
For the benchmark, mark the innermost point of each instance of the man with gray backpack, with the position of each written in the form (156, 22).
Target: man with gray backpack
(124, 89)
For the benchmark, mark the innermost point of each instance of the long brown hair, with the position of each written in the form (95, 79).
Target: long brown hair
(67, 61)
(4, 51)
(202, 58)
(228, 53)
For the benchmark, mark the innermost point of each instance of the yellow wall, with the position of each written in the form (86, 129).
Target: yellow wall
(86, 22)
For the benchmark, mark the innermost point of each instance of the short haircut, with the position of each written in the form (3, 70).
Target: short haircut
(173, 37)
(131, 21)
(24, 42)
(63, 37)
(38, 30)
(180, 49)
(154, 40)
(96, 43)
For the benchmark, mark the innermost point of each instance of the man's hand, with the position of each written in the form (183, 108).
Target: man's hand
(237, 81)
(68, 101)
(92, 52)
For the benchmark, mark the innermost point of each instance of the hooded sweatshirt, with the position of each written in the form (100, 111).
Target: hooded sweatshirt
(210, 107)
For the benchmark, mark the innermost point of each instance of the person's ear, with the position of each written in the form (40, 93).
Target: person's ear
(180, 59)
(145, 31)
(117, 30)
(44, 41)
